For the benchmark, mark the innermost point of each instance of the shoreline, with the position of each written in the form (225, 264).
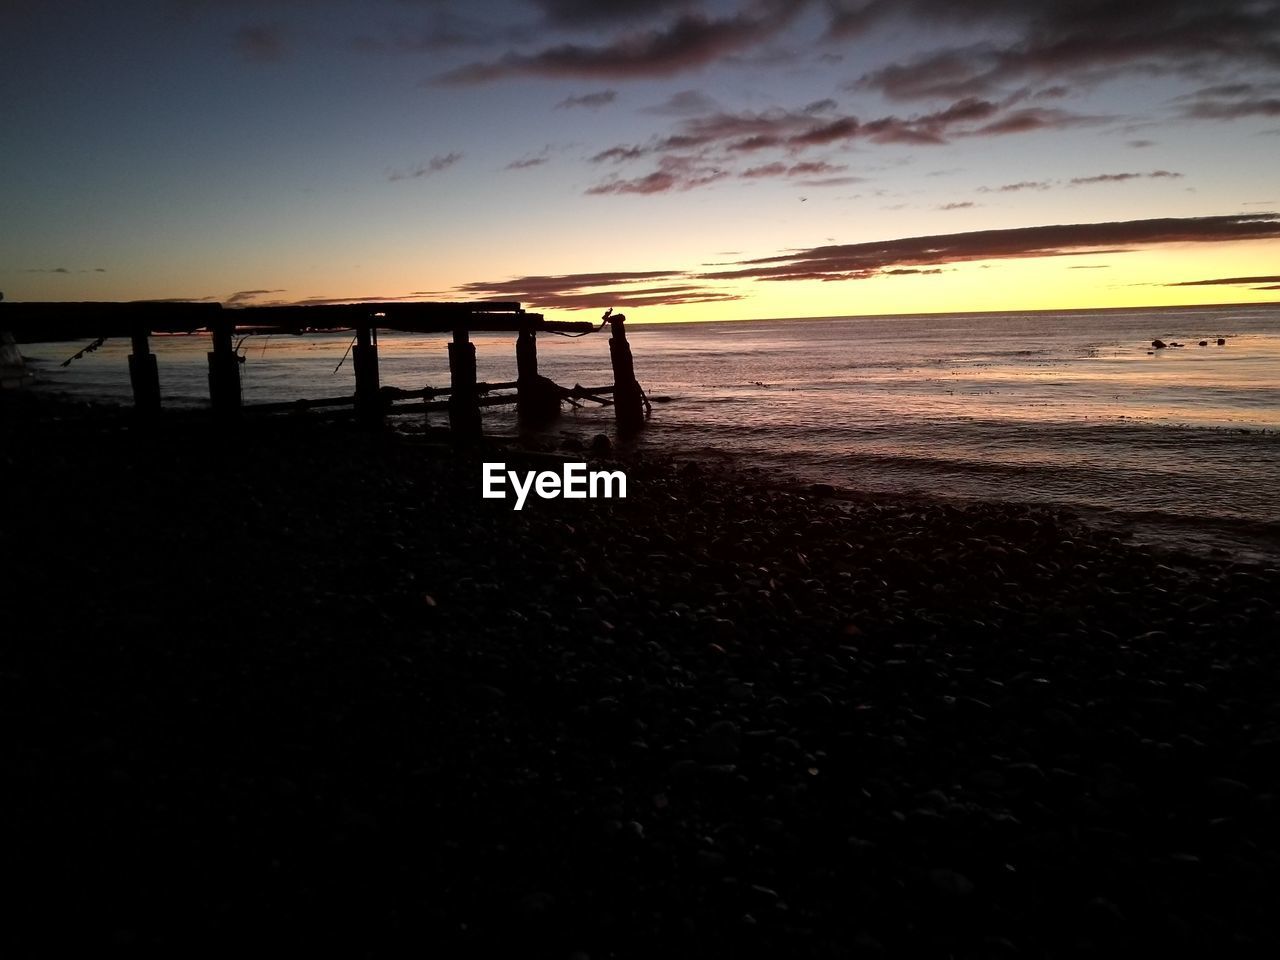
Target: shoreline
(305, 676)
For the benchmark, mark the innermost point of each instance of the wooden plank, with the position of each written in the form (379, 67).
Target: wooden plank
(78, 320)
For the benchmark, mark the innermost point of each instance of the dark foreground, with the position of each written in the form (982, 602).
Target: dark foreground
(300, 687)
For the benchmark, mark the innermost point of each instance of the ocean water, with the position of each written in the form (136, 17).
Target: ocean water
(1072, 409)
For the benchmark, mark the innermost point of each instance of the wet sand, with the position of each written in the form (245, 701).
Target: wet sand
(299, 685)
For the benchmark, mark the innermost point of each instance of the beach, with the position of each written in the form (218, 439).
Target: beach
(296, 684)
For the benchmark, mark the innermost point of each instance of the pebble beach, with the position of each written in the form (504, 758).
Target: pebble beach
(297, 685)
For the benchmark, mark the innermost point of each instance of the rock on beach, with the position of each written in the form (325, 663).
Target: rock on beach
(712, 718)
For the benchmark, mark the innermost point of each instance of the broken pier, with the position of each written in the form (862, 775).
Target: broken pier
(537, 398)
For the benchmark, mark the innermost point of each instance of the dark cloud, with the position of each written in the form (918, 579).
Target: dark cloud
(780, 169)
(1081, 181)
(1122, 177)
(243, 297)
(619, 154)
(593, 100)
(862, 260)
(1086, 41)
(443, 28)
(1234, 109)
(590, 13)
(1232, 101)
(46, 270)
(1140, 144)
(684, 103)
(1225, 281)
(260, 42)
(722, 137)
(1034, 118)
(525, 163)
(812, 126)
(692, 40)
(959, 205)
(675, 172)
(578, 291)
(434, 165)
(1017, 187)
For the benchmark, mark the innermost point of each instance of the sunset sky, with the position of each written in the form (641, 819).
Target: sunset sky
(677, 159)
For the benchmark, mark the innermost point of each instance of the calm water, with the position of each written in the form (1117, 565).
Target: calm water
(1064, 408)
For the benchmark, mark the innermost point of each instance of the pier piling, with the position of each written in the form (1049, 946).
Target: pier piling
(364, 357)
(538, 399)
(224, 371)
(628, 398)
(464, 409)
(144, 373)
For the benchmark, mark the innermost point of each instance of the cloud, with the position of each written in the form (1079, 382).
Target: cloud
(525, 163)
(684, 103)
(863, 260)
(587, 13)
(1140, 144)
(1122, 177)
(47, 270)
(830, 181)
(1232, 101)
(243, 298)
(1019, 186)
(592, 100)
(1086, 42)
(779, 169)
(1225, 281)
(260, 42)
(1234, 110)
(691, 40)
(814, 126)
(1081, 181)
(959, 205)
(674, 173)
(434, 165)
(1036, 118)
(580, 291)
(723, 138)
(619, 154)
(657, 182)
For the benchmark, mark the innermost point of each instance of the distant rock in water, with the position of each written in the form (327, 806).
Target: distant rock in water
(1159, 344)
(1204, 343)
(1222, 342)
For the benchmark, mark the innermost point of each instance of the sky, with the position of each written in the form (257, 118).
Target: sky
(676, 159)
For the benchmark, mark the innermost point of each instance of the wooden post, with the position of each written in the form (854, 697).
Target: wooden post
(628, 398)
(464, 411)
(224, 371)
(144, 374)
(538, 399)
(364, 357)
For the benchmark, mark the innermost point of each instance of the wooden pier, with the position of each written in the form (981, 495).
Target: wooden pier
(537, 398)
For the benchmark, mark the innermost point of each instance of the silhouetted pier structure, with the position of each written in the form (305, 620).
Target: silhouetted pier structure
(537, 398)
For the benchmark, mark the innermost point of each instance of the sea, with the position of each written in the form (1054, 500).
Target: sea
(1178, 446)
